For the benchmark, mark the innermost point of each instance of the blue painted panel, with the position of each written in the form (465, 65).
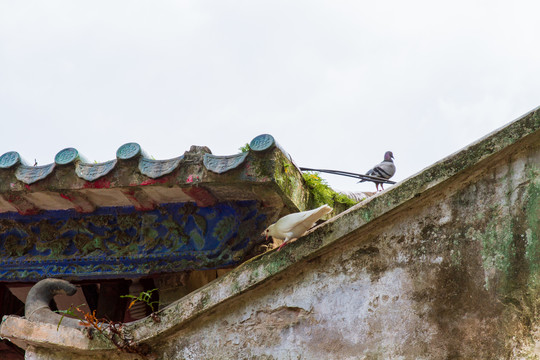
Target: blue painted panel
(123, 242)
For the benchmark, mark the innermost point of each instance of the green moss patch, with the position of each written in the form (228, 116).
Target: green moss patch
(320, 193)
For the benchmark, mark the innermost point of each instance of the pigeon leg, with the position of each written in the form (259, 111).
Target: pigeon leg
(285, 242)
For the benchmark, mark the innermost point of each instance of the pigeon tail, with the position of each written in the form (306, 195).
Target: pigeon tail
(319, 212)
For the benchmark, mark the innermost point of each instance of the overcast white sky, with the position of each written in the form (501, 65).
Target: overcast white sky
(337, 83)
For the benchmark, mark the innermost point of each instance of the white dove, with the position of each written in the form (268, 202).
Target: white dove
(295, 225)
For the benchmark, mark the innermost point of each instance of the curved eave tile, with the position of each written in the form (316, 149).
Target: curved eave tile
(91, 172)
(221, 164)
(10, 159)
(31, 174)
(130, 151)
(157, 168)
(69, 156)
(262, 142)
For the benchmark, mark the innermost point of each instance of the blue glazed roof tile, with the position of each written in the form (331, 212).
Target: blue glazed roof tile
(157, 168)
(151, 168)
(32, 174)
(222, 164)
(91, 172)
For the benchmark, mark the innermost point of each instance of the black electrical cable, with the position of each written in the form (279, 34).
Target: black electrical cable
(353, 175)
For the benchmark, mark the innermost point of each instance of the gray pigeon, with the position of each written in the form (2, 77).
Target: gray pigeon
(384, 170)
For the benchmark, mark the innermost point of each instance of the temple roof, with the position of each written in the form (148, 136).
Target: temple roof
(134, 179)
(134, 215)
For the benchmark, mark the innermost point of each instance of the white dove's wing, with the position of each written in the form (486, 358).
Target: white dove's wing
(298, 223)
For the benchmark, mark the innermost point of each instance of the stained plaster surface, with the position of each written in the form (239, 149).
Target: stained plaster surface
(445, 265)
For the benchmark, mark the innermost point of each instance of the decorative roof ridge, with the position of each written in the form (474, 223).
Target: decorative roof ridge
(152, 168)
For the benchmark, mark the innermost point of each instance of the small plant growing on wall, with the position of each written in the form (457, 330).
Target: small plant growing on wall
(112, 330)
(244, 148)
(144, 297)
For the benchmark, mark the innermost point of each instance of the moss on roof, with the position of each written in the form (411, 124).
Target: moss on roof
(321, 193)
